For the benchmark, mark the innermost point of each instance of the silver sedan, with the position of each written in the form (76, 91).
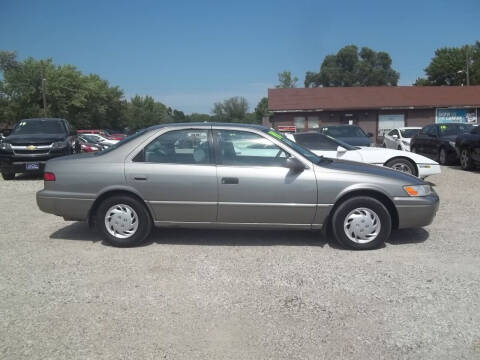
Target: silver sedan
(231, 176)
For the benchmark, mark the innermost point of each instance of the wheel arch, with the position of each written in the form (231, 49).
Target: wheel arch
(404, 158)
(109, 192)
(374, 193)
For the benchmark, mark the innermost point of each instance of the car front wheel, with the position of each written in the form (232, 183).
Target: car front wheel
(466, 160)
(123, 221)
(8, 175)
(361, 223)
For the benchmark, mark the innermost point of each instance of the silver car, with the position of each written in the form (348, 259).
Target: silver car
(231, 176)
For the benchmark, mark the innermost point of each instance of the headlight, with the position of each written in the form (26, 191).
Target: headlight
(59, 145)
(5, 146)
(452, 143)
(418, 190)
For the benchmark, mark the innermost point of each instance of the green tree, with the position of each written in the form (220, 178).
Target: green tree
(195, 117)
(351, 67)
(286, 80)
(145, 111)
(449, 66)
(262, 109)
(234, 109)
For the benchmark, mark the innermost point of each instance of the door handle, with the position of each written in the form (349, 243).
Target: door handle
(230, 180)
(140, 178)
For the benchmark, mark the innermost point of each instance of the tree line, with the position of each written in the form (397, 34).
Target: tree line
(37, 88)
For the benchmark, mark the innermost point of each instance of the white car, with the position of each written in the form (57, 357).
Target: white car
(399, 139)
(95, 138)
(327, 146)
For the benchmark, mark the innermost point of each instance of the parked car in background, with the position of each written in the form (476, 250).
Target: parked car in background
(400, 138)
(34, 141)
(195, 175)
(88, 146)
(99, 139)
(106, 134)
(324, 145)
(467, 146)
(350, 134)
(437, 141)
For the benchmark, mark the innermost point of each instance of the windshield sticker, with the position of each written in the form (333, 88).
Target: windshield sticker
(443, 127)
(275, 135)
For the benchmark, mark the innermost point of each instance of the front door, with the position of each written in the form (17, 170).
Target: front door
(175, 173)
(255, 188)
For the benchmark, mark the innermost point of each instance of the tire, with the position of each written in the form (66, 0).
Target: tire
(403, 165)
(442, 156)
(361, 211)
(466, 159)
(8, 175)
(129, 219)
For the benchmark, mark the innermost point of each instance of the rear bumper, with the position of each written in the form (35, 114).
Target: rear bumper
(70, 208)
(416, 211)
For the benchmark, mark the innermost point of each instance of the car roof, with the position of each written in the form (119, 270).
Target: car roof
(194, 124)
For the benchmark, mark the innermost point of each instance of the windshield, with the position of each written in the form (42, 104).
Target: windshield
(344, 131)
(25, 127)
(300, 149)
(409, 133)
(454, 129)
(121, 142)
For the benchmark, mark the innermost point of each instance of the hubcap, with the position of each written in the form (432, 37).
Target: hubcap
(464, 159)
(121, 221)
(362, 225)
(402, 167)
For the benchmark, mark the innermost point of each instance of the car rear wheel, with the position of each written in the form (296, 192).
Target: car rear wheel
(8, 175)
(466, 160)
(361, 223)
(442, 156)
(123, 221)
(402, 165)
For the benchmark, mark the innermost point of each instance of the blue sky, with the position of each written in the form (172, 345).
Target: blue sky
(190, 54)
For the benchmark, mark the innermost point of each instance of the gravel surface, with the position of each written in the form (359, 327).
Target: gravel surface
(201, 294)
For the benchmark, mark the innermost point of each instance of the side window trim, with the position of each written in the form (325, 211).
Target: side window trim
(218, 160)
(143, 146)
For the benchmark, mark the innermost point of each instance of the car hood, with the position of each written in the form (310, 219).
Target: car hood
(356, 141)
(378, 155)
(34, 139)
(371, 170)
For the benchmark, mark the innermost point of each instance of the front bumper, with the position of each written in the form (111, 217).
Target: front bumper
(18, 163)
(416, 211)
(425, 170)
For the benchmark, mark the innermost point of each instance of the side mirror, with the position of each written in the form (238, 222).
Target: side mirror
(341, 149)
(294, 164)
(369, 134)
(395, 137)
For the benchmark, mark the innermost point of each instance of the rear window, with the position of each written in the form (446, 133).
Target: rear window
(453, 129)
(25, 127)
(344, 131)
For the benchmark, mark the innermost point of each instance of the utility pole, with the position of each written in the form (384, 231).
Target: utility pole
(468, 65)
(44, 98)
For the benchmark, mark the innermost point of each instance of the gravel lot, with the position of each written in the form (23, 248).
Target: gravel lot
(197, 294)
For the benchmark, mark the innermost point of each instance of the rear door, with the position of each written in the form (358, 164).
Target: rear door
(175, 173)
(253, 185)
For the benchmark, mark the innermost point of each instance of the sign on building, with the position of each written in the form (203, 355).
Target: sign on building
(449, 115)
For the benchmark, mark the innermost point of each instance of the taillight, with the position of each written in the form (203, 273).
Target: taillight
(49, 176)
